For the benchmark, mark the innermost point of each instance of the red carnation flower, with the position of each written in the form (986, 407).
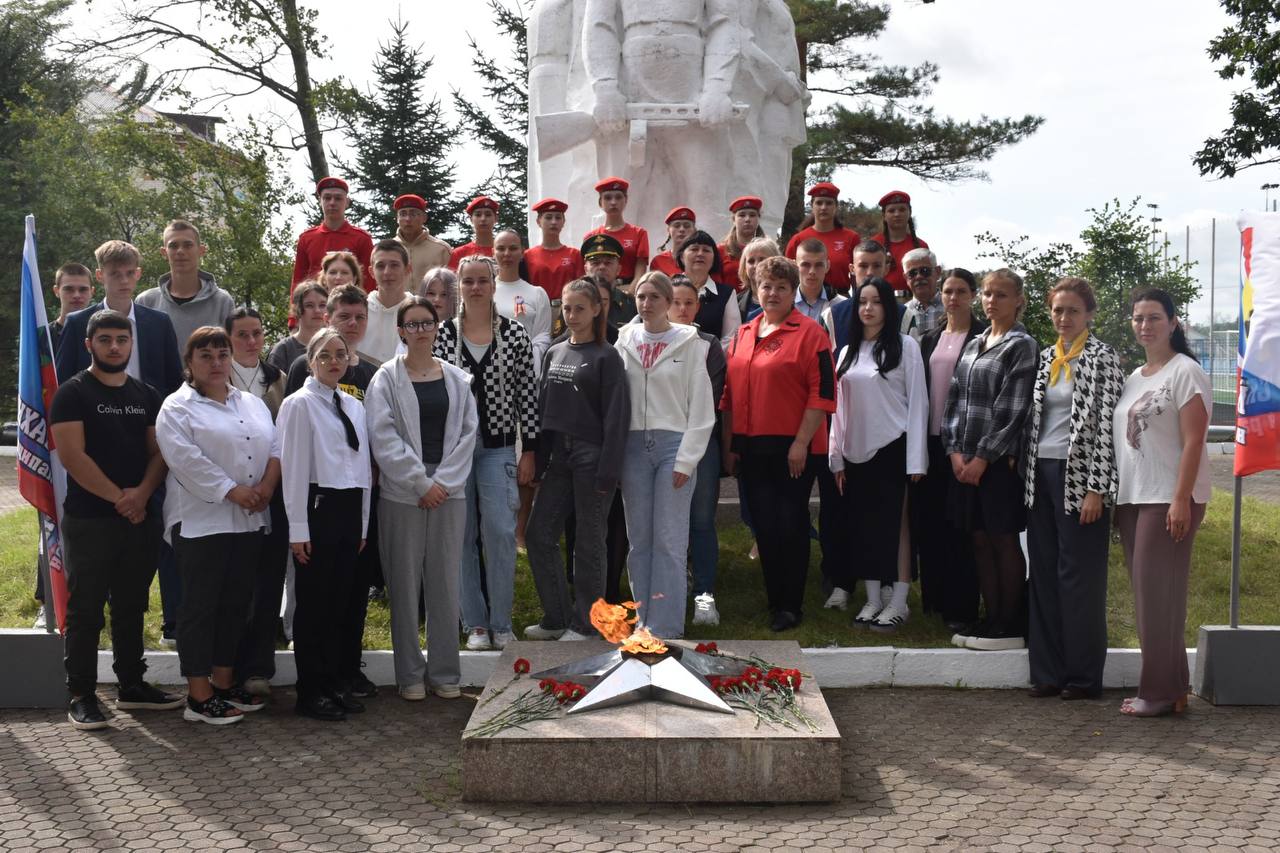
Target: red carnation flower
(577, 692)
(521, 666)
(753, 674)
(548, 685)
(711, 648)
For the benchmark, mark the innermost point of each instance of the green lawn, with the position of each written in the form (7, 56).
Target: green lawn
(741, 593)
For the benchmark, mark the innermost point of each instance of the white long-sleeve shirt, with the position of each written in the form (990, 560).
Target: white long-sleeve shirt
(873, 410)
(314, 449)
(211, 448)
(530, 306)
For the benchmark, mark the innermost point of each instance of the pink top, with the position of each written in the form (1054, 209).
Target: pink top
(942, 364)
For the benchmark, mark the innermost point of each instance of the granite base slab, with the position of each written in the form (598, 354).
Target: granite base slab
(649, 751)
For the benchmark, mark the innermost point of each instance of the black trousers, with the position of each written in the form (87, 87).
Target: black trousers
(107, 558)
(779, 506)
(1067, 600)
(217, 588)
(616, 548)
(256, 657)
(832, 513)
(871, 520)
(368, 574)
(948, 575)
(325, 587)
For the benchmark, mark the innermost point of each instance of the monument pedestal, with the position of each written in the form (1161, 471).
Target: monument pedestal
(649, 751)
(34, 674)
(1238, 666)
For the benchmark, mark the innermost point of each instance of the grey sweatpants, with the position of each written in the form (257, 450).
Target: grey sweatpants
(421, 550)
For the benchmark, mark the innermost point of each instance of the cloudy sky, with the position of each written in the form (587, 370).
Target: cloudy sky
(1126, 89)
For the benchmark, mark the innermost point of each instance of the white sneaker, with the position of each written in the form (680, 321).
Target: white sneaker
(570, 635)
(886, 594)
(257, 686)
(537, 632)
(40, 623)
(888, 619)
(837, 600)
(704, 610)
(478, 640)
(867, 614)
(447, 691)
(501, 638)
(414, 692)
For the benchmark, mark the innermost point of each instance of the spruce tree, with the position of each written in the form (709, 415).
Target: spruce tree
(401, 143)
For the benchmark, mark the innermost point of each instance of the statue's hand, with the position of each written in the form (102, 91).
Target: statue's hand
(611, 111)
(791, 89)
(714, 109)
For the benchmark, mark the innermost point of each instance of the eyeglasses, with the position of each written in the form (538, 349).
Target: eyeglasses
(415, 326)
(920, 272)
(327, 357)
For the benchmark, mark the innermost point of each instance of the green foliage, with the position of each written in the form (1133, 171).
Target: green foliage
(1117, 258)
(877, 114)
(504, 135)
(1250, 48)
(401, 143)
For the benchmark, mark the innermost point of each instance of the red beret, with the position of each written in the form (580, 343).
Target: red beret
(894, 197)
(744, 202)
(415, 201)
(482, 201)
(550, 205)
(681, 213)
(826, 189)
(609, 184)
(331, 184)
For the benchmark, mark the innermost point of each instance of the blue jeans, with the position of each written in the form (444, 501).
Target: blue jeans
(658, 529)
(704, 544)
(492, 503)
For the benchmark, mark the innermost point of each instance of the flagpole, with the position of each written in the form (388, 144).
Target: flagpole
(1235, 553)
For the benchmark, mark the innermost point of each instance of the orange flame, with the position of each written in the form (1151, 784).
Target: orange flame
(612, 621)
(644, 643)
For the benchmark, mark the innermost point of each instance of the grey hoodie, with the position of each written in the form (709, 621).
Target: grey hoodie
(210, 307)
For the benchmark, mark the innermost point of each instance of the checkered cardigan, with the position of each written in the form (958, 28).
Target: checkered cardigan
(990, 396)
(1096, 383)
(506, 389)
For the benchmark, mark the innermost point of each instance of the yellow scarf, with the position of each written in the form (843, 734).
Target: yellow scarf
(1061, 357)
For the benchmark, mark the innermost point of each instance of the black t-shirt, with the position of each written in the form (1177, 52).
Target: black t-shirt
(355, 381)
(433, 411)
(115, 433)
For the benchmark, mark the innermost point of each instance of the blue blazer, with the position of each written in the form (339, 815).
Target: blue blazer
(157, 346)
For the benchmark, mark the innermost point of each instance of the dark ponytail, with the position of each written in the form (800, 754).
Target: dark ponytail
(888, 346)
(1178, 340)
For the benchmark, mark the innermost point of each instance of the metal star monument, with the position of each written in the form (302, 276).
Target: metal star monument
(677, 675)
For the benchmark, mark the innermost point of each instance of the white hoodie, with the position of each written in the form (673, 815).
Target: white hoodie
(674, 393)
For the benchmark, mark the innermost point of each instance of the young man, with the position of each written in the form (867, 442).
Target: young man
(333, 234)
(483, 213)
(392, 270)
(73, 285)
(104, 423)
(633, 239)
(869, 261)
(813, 295)
(551, 264)
(186, 293)
(603, 257)
(153, 358)
(425, 251)
(924, 311)
(348, 312)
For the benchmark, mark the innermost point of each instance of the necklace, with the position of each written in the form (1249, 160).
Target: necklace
(241, 382)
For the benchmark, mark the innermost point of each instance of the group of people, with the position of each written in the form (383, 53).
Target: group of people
(433, 410)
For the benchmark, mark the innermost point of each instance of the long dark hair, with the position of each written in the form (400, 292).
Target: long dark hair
(1178, 340)
(888, 347)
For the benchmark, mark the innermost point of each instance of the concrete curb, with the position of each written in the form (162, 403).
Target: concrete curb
(882, 666)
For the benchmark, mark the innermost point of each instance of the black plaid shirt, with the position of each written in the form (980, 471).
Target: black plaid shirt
(990, 396)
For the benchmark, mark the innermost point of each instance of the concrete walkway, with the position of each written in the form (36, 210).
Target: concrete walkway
(927, 769)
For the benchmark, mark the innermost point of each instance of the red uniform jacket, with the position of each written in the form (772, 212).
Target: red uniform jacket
(635, 247)
(552, 269)
(315, 243)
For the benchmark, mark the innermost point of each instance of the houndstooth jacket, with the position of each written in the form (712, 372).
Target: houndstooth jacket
(504, 384)
(1096, 385)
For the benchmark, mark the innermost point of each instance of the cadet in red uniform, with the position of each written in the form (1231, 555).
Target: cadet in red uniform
(483, 212)
(333, 234)
(746, 227)
(681, 223)
(634, 239)
(551, 265)
(824, 224)
(898, 236)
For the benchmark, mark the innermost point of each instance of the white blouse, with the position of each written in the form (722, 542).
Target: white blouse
(872, 410)
(314, 449)
(211, 448)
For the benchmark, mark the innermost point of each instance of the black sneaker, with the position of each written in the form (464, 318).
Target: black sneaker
(213, 711)
(361, 687)
(240, 699)
(377, 593)
(319, 708)
(347, 701)
(83, 713)
(169, 635)
(997, 638)
(143, 696)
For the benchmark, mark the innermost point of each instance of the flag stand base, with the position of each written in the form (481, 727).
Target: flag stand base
(34, 673)
(1238, 666)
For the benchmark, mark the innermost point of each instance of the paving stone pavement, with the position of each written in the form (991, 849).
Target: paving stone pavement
(928, 769)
